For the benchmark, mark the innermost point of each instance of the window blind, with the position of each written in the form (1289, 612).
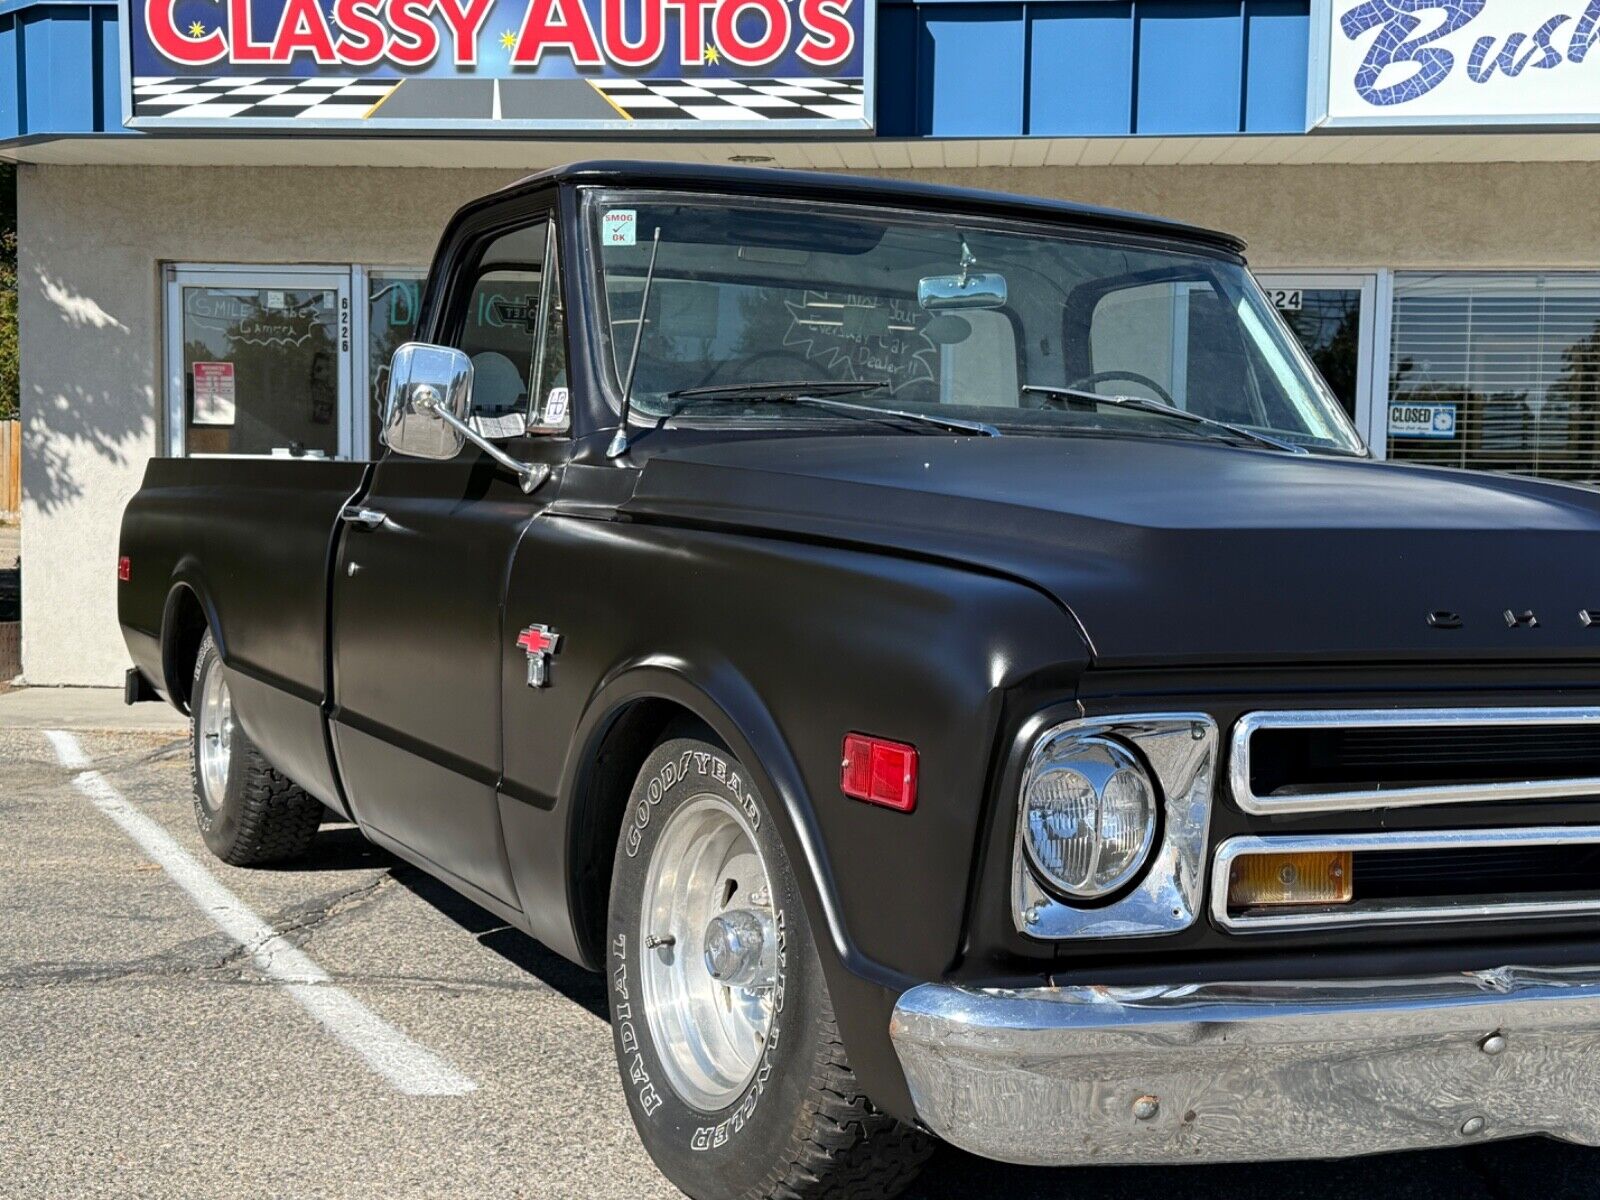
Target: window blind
(1510, 365)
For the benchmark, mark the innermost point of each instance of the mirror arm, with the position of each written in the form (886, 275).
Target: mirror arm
(530, 475)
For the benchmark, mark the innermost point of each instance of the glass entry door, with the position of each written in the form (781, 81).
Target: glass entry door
(1332, 315)
(259, 362)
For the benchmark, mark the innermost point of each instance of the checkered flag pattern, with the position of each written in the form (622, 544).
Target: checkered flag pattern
(202, 97)
(735, 99)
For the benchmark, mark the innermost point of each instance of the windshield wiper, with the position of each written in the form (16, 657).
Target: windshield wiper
(814, 395)
(787, 387)
(1143, 404)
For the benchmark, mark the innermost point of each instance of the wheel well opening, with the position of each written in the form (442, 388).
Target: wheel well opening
(602, 802)
(184, 630)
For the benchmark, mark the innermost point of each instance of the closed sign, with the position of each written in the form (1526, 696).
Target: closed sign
(1422, 420)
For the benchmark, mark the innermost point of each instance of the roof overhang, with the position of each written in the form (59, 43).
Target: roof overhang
(848, 154)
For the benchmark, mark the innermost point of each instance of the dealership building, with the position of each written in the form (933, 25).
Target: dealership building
(226, 206)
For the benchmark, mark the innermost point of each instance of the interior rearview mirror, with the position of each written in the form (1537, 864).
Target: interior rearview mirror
(942, 293)
(425, 382)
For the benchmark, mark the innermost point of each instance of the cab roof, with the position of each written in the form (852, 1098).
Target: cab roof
(766, 181)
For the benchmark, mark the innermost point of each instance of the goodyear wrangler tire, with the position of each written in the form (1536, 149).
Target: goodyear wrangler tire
(725, 1037)
(248, 813)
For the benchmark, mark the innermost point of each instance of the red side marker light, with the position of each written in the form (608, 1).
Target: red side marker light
(879, 771)
(124, 568)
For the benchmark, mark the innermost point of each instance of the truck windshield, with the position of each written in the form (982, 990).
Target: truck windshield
(1015, 326)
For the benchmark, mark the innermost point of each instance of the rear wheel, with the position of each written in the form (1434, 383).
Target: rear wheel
(248, 812)
(730, 1057)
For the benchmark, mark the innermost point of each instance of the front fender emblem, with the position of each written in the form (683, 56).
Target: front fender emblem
(540, 641)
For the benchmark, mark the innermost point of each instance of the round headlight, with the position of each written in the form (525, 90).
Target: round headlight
(1088, 815)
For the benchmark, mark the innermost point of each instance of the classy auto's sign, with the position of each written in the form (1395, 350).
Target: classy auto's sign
(1456, 62)
(387, 65)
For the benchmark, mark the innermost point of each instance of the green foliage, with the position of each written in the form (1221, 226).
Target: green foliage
(9, 356)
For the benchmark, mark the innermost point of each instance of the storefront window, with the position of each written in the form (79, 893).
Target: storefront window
(1328, 323)
(393, 298)
(1497, 372)
(260, 362)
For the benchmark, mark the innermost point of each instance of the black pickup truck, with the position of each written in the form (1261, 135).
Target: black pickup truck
(949, 662)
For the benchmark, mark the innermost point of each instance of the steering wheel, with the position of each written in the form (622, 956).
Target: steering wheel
(747, 371)
(1088, 381)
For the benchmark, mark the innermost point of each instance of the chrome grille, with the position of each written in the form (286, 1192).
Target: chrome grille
(1363, 759)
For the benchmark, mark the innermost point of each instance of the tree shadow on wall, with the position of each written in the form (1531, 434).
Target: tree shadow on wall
(63, 416)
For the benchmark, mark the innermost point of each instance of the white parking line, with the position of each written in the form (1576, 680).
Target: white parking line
(411, 1068)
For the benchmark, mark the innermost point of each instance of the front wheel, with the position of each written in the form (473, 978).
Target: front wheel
(724, 1032)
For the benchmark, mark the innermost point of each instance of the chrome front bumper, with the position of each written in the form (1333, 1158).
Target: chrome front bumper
(1232, 1072)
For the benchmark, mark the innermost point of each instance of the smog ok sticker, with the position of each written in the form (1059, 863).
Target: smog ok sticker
(618, 227)
(555, 407)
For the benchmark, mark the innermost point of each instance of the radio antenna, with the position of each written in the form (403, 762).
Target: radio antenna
(619, 443)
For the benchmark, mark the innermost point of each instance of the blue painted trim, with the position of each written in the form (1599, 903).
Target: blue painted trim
(1091, 48)
(12, 6)
(1093, 68)
(59, 69)
(1277, 41)
(1190, 66)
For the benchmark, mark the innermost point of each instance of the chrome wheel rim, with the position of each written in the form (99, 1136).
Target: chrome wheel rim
(215, 744)
(709, 952)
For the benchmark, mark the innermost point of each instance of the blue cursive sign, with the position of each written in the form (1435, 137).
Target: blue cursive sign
(1399, 45)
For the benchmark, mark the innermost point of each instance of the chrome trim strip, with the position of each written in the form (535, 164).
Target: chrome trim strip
(1228, 1072)
(1356, 916)
(1416, 718)
(1181, 749)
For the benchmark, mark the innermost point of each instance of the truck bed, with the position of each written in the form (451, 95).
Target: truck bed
(246, 545)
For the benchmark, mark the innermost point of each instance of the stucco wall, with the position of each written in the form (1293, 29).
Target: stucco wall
(1498, 215)
(93, 239)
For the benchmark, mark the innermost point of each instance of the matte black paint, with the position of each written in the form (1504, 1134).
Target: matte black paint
(416, 656)
(248, 539)
(956, 593)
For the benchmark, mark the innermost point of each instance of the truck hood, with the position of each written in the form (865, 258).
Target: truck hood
(1183, 552)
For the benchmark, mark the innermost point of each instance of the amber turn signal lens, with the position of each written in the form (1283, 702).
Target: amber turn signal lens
(1258, 880)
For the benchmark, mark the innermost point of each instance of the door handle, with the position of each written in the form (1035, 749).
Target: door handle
(367, 518)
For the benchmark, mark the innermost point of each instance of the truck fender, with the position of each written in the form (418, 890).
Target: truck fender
(721, 698)
(863, 991)
(188, 589)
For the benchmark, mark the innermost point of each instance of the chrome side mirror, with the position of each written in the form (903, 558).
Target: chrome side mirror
(425, 383)
(425, 412)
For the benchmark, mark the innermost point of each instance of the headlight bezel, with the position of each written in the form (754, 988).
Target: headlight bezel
(1178, 752)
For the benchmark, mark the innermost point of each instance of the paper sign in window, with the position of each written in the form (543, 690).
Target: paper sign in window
(214, 395)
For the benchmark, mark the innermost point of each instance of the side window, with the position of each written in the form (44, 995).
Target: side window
(978, 358)
(1142, 330)
(551, 411)
(500, 328)
(1179, 341)
(1222, 382)
(1184, 337)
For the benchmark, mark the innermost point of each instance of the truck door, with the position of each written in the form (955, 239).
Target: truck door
(419, 584)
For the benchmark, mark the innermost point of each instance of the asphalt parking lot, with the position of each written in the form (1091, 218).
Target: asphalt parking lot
(144, 1052)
